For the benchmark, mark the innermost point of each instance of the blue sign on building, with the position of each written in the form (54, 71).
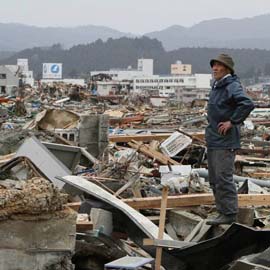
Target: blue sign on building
(55, 68)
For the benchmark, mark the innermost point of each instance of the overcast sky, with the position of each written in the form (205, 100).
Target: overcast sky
(136, 16)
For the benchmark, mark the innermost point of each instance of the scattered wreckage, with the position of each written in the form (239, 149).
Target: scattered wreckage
(100, 184)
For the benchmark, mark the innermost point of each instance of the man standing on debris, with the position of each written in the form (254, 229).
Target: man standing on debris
(228, 107)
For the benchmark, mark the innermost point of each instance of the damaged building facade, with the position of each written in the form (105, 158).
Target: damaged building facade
(10, 75)
(8, 79)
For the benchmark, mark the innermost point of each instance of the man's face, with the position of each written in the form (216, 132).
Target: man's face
(219, 71)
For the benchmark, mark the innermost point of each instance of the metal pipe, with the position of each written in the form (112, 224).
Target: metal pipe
(238, 179)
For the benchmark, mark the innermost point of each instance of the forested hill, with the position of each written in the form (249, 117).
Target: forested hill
(123, 52)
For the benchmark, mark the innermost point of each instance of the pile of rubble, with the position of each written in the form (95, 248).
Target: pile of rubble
(35, 196)
(136, 177)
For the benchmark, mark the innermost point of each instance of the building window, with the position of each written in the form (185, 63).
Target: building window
(3, 90)
(147, 81)
(170, 80)
(142, 81)
(176, 81)
(3, 76)
(165, 80)
(160, 80)
(181, 80)
(151, 81)
(137, 81)
(155, 80)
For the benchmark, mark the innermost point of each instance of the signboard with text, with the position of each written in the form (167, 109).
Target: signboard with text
(52, 71)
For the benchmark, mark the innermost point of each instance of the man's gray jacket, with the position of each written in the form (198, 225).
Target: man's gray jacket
(227, 101)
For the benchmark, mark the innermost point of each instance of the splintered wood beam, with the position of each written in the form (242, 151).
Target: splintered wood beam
(148, 151)
(84, 226)
(74, 206)
(141, 137)
(196, 200)
(148, 137)
(161, 228)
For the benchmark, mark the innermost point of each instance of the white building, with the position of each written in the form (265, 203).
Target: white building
(145, 68)
(181, 69)
(80, 82)
(27, 75)
(9, 79)
(106, 88)
(187, 95)
(167, 85)
(158, 101)
(21, 70)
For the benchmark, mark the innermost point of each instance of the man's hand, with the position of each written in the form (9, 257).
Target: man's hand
(223, 127)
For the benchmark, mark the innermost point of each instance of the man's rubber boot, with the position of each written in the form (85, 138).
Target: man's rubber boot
(222, 219)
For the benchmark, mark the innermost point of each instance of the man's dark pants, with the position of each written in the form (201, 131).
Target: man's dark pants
(220, 171)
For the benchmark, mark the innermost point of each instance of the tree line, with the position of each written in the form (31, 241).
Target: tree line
(79, 60)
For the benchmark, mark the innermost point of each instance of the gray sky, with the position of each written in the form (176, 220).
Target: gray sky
(136, 16)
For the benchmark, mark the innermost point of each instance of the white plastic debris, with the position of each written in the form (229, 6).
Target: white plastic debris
(175, 144)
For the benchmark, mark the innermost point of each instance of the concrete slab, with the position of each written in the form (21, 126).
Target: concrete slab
(50, 166)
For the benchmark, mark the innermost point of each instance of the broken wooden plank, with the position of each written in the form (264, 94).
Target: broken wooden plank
(203, 231)
(163, 207)
(83, 226)
(193, 136)
(136, 190)
(194, 231)
(83, 223)
(147, 150)
(140, 137)
(247, 158)
(196, 200)
(125, 186)
(74, 205)
(259, 174)
(247, 151)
